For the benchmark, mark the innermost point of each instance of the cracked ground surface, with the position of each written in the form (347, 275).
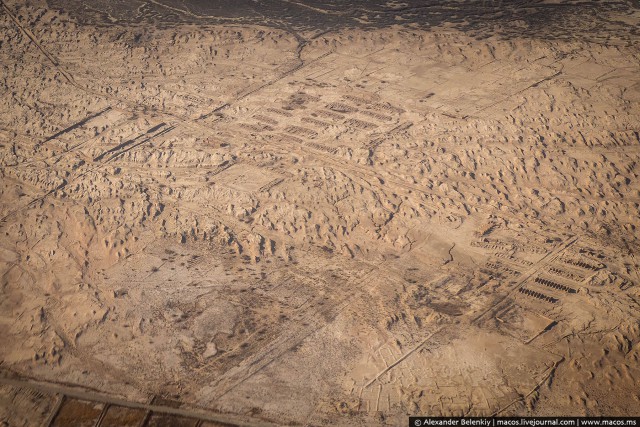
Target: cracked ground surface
(309, 214)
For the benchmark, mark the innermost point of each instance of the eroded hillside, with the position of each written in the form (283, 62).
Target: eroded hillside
(317, 228)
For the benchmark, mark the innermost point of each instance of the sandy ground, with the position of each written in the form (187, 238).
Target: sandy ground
(318, 228)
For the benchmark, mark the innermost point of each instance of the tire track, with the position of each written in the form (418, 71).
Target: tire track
(99, 397)
(33, 39)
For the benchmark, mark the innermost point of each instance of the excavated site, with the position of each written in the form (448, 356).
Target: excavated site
(318, 212)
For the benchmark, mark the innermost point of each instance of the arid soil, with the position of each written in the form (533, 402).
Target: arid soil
(207, 214)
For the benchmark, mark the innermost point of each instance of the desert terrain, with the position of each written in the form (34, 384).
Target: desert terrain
(318, 212)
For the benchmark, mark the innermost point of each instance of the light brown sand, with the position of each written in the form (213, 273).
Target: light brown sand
(375, 224)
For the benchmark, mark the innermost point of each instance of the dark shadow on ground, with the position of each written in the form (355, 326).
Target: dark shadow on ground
(603, 21)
